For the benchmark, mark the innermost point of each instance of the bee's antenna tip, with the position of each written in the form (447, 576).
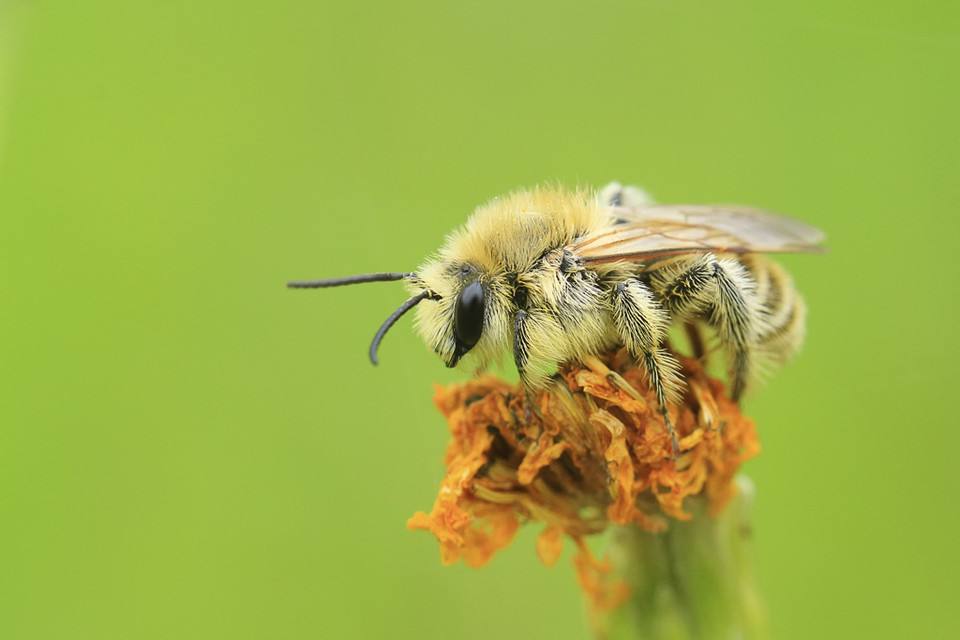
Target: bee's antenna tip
(392, 318)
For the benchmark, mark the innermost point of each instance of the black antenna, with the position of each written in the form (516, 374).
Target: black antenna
(339, 282)
(392, 319)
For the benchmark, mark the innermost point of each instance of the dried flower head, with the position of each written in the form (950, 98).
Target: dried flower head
(590, 451)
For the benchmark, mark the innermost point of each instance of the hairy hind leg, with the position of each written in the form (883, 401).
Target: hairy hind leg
(722, 292)
(642, 326)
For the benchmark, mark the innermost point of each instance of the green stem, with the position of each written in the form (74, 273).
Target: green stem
(693, 581)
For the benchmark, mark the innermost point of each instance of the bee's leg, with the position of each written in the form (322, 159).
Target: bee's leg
(521, 343)
(736, 313)
(642, 325)
(698, 348)
(532, 406)
(723, 292)
(521, 356)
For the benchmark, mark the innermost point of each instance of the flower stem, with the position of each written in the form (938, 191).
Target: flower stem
(693, 581)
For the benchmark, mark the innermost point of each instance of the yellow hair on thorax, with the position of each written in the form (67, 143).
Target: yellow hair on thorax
(511, 232)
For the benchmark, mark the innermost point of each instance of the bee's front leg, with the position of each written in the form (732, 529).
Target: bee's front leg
(521, 357)
(642, 326)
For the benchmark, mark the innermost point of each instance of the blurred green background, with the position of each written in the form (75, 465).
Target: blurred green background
(188, 450)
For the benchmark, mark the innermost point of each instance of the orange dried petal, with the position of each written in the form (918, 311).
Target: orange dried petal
(539, 457)
(550, 545)
(604, 592)
(580, 458)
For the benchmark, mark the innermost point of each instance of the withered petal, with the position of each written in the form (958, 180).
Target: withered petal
(584, 456)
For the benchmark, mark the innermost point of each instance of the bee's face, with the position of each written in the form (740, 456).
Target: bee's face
(470, 315)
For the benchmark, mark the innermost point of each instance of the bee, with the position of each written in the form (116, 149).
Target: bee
(555, 275)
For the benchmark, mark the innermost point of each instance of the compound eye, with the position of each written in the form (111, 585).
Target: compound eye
(468, 318)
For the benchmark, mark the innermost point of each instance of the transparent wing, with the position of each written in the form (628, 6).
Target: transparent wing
(650, 231)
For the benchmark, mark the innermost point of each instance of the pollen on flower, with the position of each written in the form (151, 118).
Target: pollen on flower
(577, 457)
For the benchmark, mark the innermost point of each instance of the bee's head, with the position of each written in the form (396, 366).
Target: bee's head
(457, 314)
(461, 320)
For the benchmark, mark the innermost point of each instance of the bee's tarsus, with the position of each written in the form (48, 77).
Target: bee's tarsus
(698, 348)
(674, 441)
(532, 406)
